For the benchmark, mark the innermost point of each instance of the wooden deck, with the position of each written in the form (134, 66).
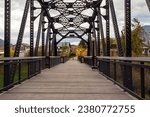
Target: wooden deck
(71, 80)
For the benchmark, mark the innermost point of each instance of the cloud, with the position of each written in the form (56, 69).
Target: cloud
(139, 11)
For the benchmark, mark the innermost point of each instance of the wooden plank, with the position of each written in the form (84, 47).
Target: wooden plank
(71, 80)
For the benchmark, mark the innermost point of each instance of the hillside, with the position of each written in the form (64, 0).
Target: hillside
(1, 43)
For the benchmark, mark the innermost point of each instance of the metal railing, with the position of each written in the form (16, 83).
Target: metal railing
(25, 68)
(81, 59)
(53, 61)
(88, 60)
(64, 59)
(120, 69)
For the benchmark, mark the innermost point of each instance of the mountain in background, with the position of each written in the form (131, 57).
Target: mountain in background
(1, 43)
(146, 33)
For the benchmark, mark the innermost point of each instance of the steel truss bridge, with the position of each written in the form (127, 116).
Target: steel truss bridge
(71, 16)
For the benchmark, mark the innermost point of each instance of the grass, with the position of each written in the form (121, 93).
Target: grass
(24, 74)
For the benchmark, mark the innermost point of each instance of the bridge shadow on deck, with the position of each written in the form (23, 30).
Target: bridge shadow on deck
(71, 80)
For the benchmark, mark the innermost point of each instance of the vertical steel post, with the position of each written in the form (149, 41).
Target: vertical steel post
(98, 32)
(89, 44)
(94, 34)
(107, 29)
(107, 64)
(47, 39)
(142, 81)
(54, 44)
(7, 41)
(128, 69)
(31, 28)
(38, 35)
(43, 36)
(50, 42)
(128, 27)
(101, 31)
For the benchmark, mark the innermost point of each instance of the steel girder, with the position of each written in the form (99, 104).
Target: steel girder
(22, 28)
(89, 45)
(148, 3)
(43, 35)
(116, 29)
(100, 24)
(94, 35)
(47, 38)
(128, 28)
(128, 69)
(31, 27)
(54, 45)
(107, 29)
(38, 35)
(19, 40)
(7, 41)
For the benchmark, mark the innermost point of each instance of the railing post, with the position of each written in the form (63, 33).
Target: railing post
(29, 70)
(7, 42)
(142, 81)
(39, 66)
(19, 72)
(115, 71)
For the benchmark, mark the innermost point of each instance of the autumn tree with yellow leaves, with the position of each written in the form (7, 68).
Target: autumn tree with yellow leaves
(82, 49)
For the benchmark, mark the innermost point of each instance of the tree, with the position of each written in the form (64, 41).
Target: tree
(82, 44)
(135, 39)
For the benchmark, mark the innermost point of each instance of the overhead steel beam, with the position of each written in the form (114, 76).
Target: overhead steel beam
(45, 9)
(79, 36)
(63, 37)
(116, 29)
(7, 41)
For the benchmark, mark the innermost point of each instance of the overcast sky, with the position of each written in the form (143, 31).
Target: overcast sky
(139, 11)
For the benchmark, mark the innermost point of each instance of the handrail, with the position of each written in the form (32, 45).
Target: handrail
(30, 66)
(20, 58)
(124, 71)
(135, 59)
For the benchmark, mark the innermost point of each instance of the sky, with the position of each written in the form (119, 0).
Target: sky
(139, 11)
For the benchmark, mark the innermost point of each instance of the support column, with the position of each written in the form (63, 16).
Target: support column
(43, 36)
(128, 69)
(101, 31)
(47, 39)
(94, 34)
(128, 28)
(38, 35)
(107, 64)
(50, 38)
(107, 29)
(54, 45)
(89, 44)
(31, 28)
(7, 41)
